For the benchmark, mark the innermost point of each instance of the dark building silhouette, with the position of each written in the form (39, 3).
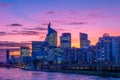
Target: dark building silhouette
(7, 56)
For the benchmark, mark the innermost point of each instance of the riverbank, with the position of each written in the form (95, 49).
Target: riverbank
(80, 72)
(95, 73)
(87, 72)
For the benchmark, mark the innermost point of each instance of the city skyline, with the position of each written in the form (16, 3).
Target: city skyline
(29, 19)
(70, 39)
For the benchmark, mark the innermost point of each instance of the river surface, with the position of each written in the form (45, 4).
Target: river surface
(18, 74)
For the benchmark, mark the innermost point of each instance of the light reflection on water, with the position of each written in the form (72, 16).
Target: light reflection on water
(18, 74)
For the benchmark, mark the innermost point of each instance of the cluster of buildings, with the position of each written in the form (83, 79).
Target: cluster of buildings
(106, 51)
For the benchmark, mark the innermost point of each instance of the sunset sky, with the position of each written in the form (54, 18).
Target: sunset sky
(27, 20)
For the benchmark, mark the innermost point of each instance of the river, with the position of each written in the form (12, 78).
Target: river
(18, 74)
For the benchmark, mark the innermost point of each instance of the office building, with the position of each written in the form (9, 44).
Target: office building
(107, 49)
(116, 50)
(51, 37)
(24, 52)
(37, 48)
(84, 42)
(65, 40)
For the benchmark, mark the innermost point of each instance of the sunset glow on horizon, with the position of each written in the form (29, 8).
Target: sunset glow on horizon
(26, 21)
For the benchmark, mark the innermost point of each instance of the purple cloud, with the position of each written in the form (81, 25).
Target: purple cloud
(15, 32)
(45, 24)
(76, 23)
(3, 33)
(50, 12)
(28, 33)
(14, 25)
(12, 44)
(36, 28)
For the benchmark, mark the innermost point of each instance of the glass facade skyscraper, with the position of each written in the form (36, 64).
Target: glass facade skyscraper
(84, 42)
(51, 37)
(65, 40)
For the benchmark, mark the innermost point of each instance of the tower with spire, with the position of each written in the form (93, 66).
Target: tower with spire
(51, 37)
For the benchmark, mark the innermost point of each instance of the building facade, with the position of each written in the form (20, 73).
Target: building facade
(51, 37)
(84, 42)
(24, 53)
(108, 48)
(37, 48)
(65, 40)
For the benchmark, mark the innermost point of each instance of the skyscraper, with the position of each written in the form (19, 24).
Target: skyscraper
(65, 40)
(117, 50)
(84, 42)
(7, 56)
(107, 49)
(51, 37)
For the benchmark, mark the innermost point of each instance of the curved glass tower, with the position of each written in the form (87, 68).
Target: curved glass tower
(51, 37)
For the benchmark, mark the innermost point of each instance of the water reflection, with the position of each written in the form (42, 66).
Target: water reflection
(18, 74)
